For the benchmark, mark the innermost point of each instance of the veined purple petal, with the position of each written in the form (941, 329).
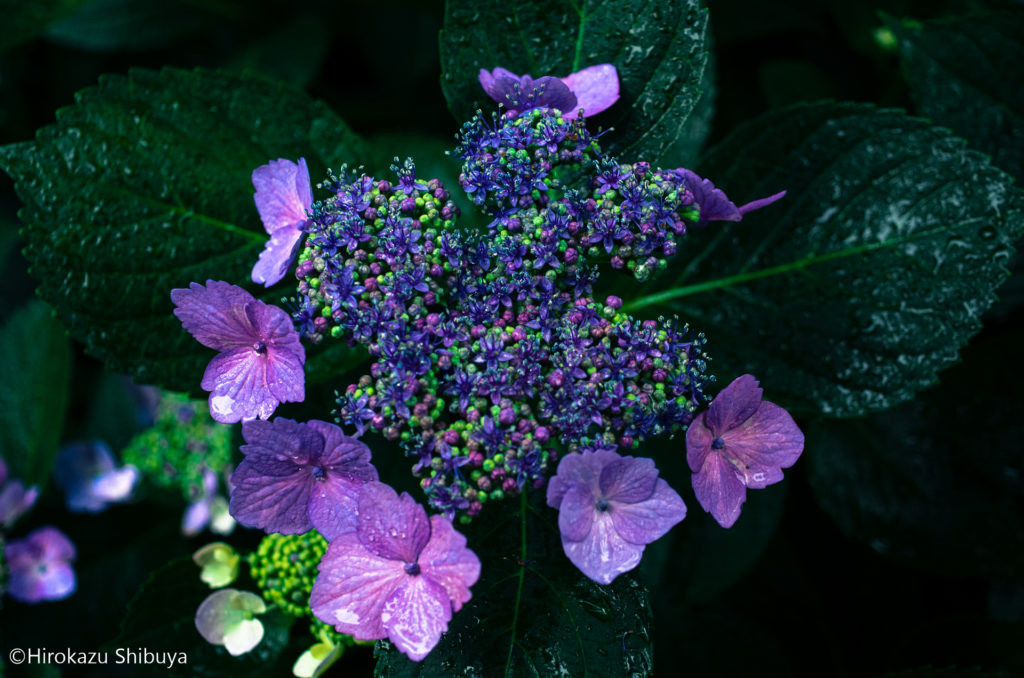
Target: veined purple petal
(604, 555)
(719, 489)
(416, 615)
(647, 521)
(353, 586)
(762, 202)
(237, 381)
(734, 405)
(283, 194)
(596, 89)
(715, 205)
(576, 513)
(345, 468)
(391, 526)
(446, 560)
(628, 479)
(271, 487)
(578, 468)
(764, 444)
(215, 314)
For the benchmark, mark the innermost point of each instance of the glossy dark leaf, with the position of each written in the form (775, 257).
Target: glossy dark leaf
(533, 613)
(657, 47)
(938, 482)
(142, 186)
(35, 376)
(957, 71)
(851, 293)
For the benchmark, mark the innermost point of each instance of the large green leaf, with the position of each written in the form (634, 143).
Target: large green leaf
(35, 376)
(142, 186)
(114, 25)
(851, 293)
(161, 619)
(533, 613)
(657, 47)
(957, 69)
(936, 483)
(25, 20)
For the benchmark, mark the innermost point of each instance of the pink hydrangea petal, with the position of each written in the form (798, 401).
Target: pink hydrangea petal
(767, 442)
(39, 566)
(576, 513)
(277, 256)
(283, 193)
(628, 479)
(698, 442)
(646, 521)
(446, 560)
(215, 314)
(237, 381)
(333, 505)
(734, 405)
(353, 586)
(582, 468)
(392, 526)
(719, 489)
(34, 584)
(603, 555)
(416, 615)
(596, 89)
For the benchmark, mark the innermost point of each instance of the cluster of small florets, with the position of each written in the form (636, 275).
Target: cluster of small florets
(375, 253)
(285, 567)
(491, 356)
(183, 446)
(513, 162)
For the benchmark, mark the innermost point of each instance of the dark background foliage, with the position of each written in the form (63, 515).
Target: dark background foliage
(897, 542)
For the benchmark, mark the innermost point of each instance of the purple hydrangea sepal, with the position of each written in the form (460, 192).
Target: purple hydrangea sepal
(40, 566)
(283, 194)
(609, 508)
(590, 91)
(299, 476)
(260, 360)
(91, 478)
(399, 575)
(739, 442)
(715, 205)
(15, 501)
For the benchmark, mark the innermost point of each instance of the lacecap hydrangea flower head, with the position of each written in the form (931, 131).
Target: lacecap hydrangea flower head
(493, 364)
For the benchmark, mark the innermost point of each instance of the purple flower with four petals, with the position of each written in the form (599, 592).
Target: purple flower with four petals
(283, 194)
(299, 476)
(589, 91)
(40, 566)
(399, 575)
(260, 363)
(609, 508)
(739, 442)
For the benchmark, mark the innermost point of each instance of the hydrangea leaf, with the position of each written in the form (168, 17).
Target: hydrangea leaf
(956, 69)
(161, 618)
(935, 483)
(851, 293)
(658, 49)
(35, 376)
(533, 612)
(142, 186)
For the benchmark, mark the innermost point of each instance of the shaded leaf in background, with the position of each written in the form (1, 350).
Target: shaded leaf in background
(938, 482)
(957, 71)
(142, 186)
(25, 20)
(533, 613)
(161, 618)
(305, 37)
(130, 25)
(947, 672)
(35, 375)
(657, 47)
(851, 293)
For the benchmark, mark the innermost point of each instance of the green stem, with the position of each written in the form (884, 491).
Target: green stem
(522, 577)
